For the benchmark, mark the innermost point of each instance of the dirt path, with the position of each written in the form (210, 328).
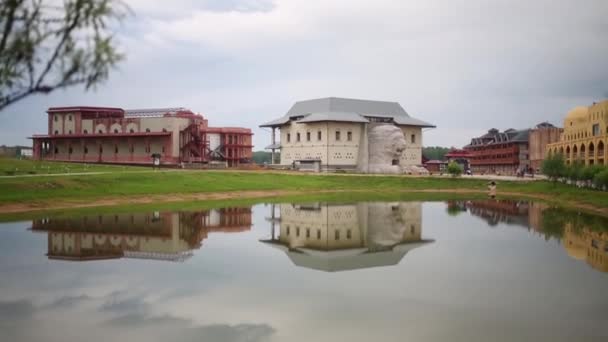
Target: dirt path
(172, 198)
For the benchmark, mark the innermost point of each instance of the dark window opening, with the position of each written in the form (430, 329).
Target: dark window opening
(131, 130)
(147, 130)
(70, 150)
(55, 117)
(288, 137)
(307, 136)
(56, 150)
(116, 149)
(56, 132)
(349, 136)
(100, 132)
(337, 135)
(85, 132)
(86, 150)
(413, 138)
(395, 162)
(115, 130)
(298, 137)
(69, 118)
(319, 135)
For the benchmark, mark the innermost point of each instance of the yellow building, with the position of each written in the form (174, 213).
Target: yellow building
(585, 135)
(587, 245)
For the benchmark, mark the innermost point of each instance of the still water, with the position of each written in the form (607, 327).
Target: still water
(374, 271)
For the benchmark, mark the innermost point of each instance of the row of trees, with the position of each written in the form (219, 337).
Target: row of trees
(577, 173)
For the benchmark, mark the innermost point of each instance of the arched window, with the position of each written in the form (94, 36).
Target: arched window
(70, 132)
(100, 131)
(147, 130)
(85, 132)
(56, 132)
(164, 130)
(86, 150)
(116, 149)
(131, 130)
(115, 130)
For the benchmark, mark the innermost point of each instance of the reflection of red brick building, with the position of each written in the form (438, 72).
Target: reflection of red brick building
(114, 135)
(158, 235)
(500, 152)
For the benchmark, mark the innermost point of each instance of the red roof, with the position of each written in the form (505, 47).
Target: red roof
(455, 153)
(84, 109)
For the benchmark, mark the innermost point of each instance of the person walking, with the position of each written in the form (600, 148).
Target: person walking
(492, 189)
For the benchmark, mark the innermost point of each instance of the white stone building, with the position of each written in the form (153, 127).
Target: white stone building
(337, 133)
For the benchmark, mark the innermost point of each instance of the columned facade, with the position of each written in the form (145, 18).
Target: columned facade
(585, 136)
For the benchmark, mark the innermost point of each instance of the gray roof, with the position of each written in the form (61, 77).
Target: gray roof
(346, 259)
(350, 110)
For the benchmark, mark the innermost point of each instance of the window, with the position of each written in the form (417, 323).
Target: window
(297, 137)
(288, 230)
(100, 149)
(131, 130)
(348, 234)
(147, 130)
(55, 118)
(164, 130)
(319, 136)
(307, 232)
(86, 150)
(163, 149)
(56, 150)
(56, 132)
(100, 132)
(70, 150)
(307, 136)
(337, 135)
(349, 136)
(413, 137)
(85, 132)
(70, 132)
(288, 137)
(297, 231)
(69, 118)
(318, 234)
(596, 130)
(115, 130)
(116, 149)
(337, 235)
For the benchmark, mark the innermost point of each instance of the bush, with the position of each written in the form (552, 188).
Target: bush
(554, 167)
(454, 169)
(601, 179)
(574, 172)
(589, 172)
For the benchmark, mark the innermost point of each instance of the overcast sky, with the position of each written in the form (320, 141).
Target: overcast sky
(464, 65)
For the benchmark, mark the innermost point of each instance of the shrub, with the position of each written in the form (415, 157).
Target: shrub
(554, 167)
(454, 169)
(601, 179)
(574, 172)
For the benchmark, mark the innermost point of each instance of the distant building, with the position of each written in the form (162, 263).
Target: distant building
(504, 153)
(350, 134)
(114, 135)
(435, 165)
(585, 135)
(461, 157)
(341, 237)
(541, 136)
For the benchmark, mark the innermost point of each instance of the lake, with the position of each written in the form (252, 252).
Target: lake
(481, 270)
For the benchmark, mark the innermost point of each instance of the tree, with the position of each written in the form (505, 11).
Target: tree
(44, 46)
(601, 179)
(574, 172)
(454, 169)
(435, 152)
(554, 167)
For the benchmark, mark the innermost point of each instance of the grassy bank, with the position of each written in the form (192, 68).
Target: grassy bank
(16, 167)
(86, 188)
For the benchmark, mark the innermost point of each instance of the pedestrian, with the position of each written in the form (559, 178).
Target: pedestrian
(492, 189)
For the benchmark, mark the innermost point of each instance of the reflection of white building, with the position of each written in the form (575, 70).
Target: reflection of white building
(337, 237)
(168, 236)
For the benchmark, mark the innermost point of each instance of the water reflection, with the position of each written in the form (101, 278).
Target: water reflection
(170, 236)
(583, 236)
(340, 237)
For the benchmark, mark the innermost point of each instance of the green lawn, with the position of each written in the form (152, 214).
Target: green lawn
(119, 181)
(14, 166)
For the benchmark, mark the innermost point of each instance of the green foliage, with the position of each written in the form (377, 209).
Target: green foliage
(590, 171)
(435, 152)
(46, 46)
(454, 169)
(601, 179)
(554, 167)
(574, 172)
(263, 157)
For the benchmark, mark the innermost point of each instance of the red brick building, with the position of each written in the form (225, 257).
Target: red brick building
(114, 135)
(504, 153)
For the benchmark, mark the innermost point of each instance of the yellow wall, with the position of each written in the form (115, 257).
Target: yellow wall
(579, 142)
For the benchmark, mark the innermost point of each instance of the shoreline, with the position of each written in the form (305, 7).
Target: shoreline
(176, 198)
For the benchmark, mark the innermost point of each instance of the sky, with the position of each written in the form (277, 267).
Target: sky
(464, 65)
